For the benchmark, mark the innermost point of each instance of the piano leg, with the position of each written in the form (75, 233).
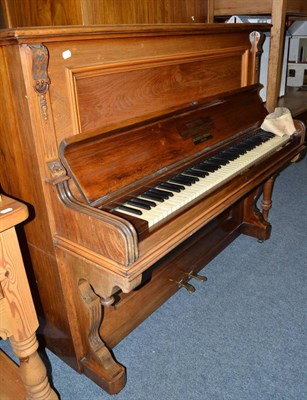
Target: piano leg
(99, 364)
(266, 202)
(254, 222)
(84, 311)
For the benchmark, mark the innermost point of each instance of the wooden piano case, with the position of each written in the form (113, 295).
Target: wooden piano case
(64, 88)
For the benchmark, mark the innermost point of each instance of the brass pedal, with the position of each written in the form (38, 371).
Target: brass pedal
(200, 278)
(190, 288)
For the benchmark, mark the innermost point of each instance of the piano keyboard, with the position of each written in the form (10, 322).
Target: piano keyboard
(157, 203)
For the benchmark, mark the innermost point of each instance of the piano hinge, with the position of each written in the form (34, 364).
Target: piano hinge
(58, 172)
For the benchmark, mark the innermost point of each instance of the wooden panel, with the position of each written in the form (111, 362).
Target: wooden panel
(144, 12)
(235, 7)
(297, 7)
(25, 182)
(93, 12)
(40, 13)
(102, 64)
(124, 94)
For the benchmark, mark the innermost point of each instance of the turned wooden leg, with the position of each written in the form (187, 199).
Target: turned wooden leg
(32, 370)
(18, 320)
(99, 364)
(254, 222)
(266, 203)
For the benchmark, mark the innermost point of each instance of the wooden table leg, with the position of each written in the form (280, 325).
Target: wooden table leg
(32, 370)
(18, 320)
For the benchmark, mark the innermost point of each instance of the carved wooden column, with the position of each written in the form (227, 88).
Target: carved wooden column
(18, 317)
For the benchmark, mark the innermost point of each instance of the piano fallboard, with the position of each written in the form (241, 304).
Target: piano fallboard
(105, 166)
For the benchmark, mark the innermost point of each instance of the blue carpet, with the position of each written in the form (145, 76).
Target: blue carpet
(241, 335)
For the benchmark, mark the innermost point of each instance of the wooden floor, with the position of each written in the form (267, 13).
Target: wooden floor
(11, 387)
(295, 99)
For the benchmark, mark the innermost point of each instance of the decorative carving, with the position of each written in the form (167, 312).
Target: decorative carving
(255, 223)
(43, 106)
(257, 40)
(40, 75)
(99, 358)
(39, 68)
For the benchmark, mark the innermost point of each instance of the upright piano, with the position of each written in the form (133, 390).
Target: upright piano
(140, 152)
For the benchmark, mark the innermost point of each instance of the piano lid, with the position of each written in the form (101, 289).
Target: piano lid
(108, 163)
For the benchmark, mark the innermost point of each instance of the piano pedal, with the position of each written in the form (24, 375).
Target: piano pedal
(190, 288)
(200, 278)
(260, 240)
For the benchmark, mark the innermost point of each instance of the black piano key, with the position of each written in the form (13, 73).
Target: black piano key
(231, 156)
(239, 150)
(129, 209)
(151, 196)
(191, 179)
(145, 202)
(267, 135)
(231, 150)
(139, 204)
(206, 167)
(219, 159)
(242, 146)
(171, 186)
(197, 173)
(209, 163)
(153, 192)
(163, 193)
(251, 144)
(257, 139)
(180, 181)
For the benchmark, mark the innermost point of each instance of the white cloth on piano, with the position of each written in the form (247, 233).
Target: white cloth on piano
(279, 122)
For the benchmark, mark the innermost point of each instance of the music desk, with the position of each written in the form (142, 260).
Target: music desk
(18, 320)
